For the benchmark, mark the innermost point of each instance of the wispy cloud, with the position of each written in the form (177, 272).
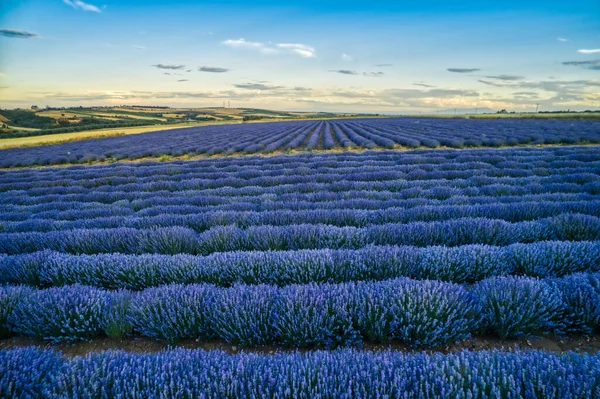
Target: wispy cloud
(591, 64)
(526, 95)
(169, 66)
(183, 80)
(589, 51)
(139, 47)
(18, 34)
(82, 6)
(423, 85)
(344, 71)
(347, 57)
(553, 94)
(2, 75)
(350, 72)
(506, 77)
(242, 43)
(383, 65)
(489, 83)
(302, 50)
(257, 86)
(463, 70)
(213, 69)
(562, 39)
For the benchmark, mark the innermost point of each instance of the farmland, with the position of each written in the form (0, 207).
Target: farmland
(301, 136)
(29, 141)
(77, 121)
(421, 234)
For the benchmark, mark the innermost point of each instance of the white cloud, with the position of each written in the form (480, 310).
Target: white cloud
(562, 39)
(302, 50)
(347, 57)
(139, 47)
(242, 43)
(2, 75)
(589, 51)
(82, 6)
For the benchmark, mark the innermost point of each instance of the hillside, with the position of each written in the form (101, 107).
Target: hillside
(40, 122)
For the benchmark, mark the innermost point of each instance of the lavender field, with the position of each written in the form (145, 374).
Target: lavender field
(327, 252)
(351, 134)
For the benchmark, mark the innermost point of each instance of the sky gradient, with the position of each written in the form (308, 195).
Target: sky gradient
(387, 57)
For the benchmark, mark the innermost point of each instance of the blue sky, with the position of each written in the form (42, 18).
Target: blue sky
(313, 55)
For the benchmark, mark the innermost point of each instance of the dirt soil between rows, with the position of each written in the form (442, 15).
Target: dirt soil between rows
(576, 343)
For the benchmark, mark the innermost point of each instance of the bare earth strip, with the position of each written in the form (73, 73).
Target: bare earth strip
(576, 343)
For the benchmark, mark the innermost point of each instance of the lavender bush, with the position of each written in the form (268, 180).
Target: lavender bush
(38, 373)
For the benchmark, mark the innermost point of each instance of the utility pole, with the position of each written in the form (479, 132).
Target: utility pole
(536, 108)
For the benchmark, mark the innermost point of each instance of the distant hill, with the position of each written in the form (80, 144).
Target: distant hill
(35, 121)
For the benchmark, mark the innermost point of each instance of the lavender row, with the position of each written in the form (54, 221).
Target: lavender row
(305, 135)
(429, 188)
(470, 184)
(203, 218)
(551, 157)
(292, 197)
(174, 240)
(273, 171)
(464, 264)
(108, 180)
(458, 134)
(344, 374)
(416, 208)
(526, 162)
(416, 313)
(186, 194)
